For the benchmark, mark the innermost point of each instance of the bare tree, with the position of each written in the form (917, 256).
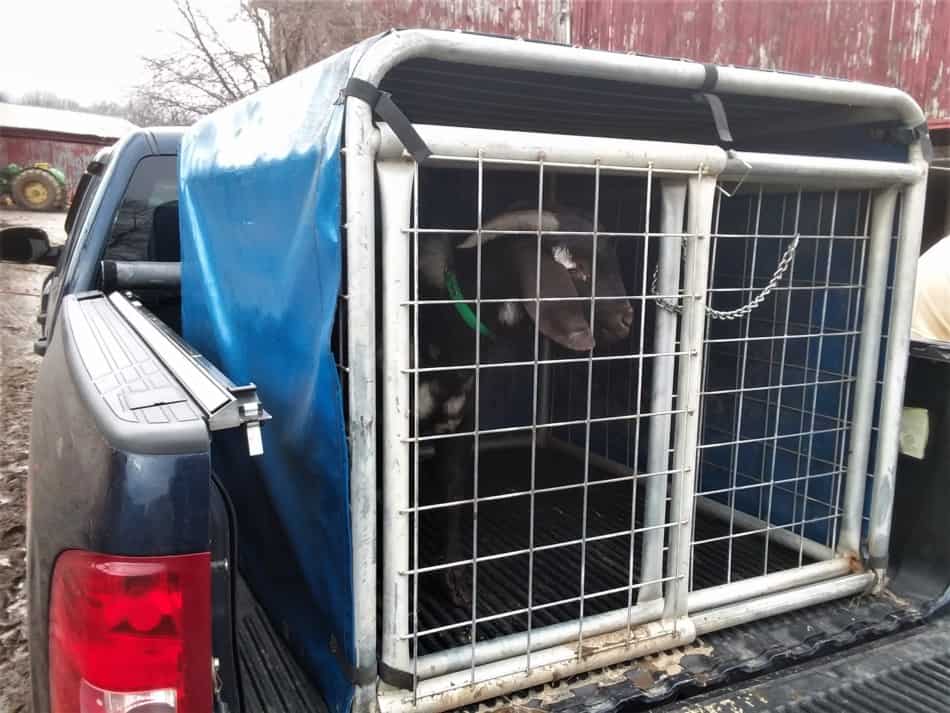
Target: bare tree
(207, 73)
(49, 100)
(304, 32)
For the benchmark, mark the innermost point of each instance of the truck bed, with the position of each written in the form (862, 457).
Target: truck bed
(271, 681)
(771, 650)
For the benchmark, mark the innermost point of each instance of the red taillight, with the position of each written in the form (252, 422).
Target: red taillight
(130, 634)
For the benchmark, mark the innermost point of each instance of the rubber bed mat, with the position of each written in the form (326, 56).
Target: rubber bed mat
(909, 672)
(732, 655)
(271, 681)
(503, 526)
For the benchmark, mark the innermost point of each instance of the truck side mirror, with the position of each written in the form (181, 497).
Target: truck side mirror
(27, 245)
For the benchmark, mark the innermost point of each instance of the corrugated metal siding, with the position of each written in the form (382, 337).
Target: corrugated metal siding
(70, 157)
(902, 43)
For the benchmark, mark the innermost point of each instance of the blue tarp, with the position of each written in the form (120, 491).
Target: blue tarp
(260, 206)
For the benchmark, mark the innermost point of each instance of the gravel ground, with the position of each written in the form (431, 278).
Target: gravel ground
(19, 301)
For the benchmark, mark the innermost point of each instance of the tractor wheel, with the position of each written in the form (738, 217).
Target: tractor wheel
(35, 189)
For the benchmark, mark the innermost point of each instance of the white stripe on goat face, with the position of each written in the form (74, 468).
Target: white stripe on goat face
(563, 257)
(447, 426)
(509, 314)
(454, 405)
(452, 409)
(426, 400)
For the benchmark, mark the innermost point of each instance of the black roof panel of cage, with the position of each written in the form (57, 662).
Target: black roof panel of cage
(456, 94)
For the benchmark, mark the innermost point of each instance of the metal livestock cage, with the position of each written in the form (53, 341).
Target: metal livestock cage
(622, 344)
(718, 463)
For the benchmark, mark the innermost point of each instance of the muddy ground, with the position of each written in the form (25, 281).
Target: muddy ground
(19, 300)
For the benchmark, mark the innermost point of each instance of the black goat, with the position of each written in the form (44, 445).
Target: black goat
(447, 332)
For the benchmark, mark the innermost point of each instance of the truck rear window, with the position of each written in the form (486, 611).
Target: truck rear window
(146, 223)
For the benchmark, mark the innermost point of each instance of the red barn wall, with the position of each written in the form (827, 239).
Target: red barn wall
(903, 43)
(68, 156)
(531, 19)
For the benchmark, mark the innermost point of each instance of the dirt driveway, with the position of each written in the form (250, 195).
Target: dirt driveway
(19, 300)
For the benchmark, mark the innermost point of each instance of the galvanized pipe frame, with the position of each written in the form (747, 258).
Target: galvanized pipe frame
(710, 610)
(878, 258)
(558, 151)
(396, 179)
(776, 603)
(361, 142)
(563, 151)
(701, 201)
(454, 690)
(513, 645)
(673, 210)
(834, 173)
(895, 370)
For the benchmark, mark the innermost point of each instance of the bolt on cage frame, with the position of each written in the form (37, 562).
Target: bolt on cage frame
(667, 613)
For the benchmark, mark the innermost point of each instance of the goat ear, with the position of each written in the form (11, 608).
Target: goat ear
(562, 321)
(513, 220)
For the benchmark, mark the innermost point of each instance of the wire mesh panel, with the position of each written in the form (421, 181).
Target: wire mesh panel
(779, 378)
(541, 536)
(520, 476)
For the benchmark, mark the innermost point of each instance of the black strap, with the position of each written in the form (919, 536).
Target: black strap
(719, 116)
(395, 677)
(383, 105)
(711, 79)
(357, 676)
(920, 133)
(706, 96)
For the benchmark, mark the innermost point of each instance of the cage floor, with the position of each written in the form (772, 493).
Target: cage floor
(556, 584)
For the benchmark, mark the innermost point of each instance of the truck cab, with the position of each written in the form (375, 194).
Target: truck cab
(136, 222)
(122, 229)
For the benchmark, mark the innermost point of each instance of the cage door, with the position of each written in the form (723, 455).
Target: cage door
(575, 533)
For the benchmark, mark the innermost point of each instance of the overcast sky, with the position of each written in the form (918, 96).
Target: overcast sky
(89, 50)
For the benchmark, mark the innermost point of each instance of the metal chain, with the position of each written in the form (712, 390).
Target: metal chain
(745, 309)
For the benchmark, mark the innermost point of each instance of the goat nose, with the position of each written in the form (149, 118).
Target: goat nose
(626, 317)
(580, 340)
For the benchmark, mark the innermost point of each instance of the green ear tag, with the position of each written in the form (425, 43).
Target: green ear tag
(465, 312)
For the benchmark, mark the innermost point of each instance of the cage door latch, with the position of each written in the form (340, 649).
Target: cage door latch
(783, 264)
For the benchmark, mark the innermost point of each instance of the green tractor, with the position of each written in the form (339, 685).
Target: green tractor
(35, 187)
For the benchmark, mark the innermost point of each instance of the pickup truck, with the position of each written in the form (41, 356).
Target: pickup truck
(134, 503)
(139, 600)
